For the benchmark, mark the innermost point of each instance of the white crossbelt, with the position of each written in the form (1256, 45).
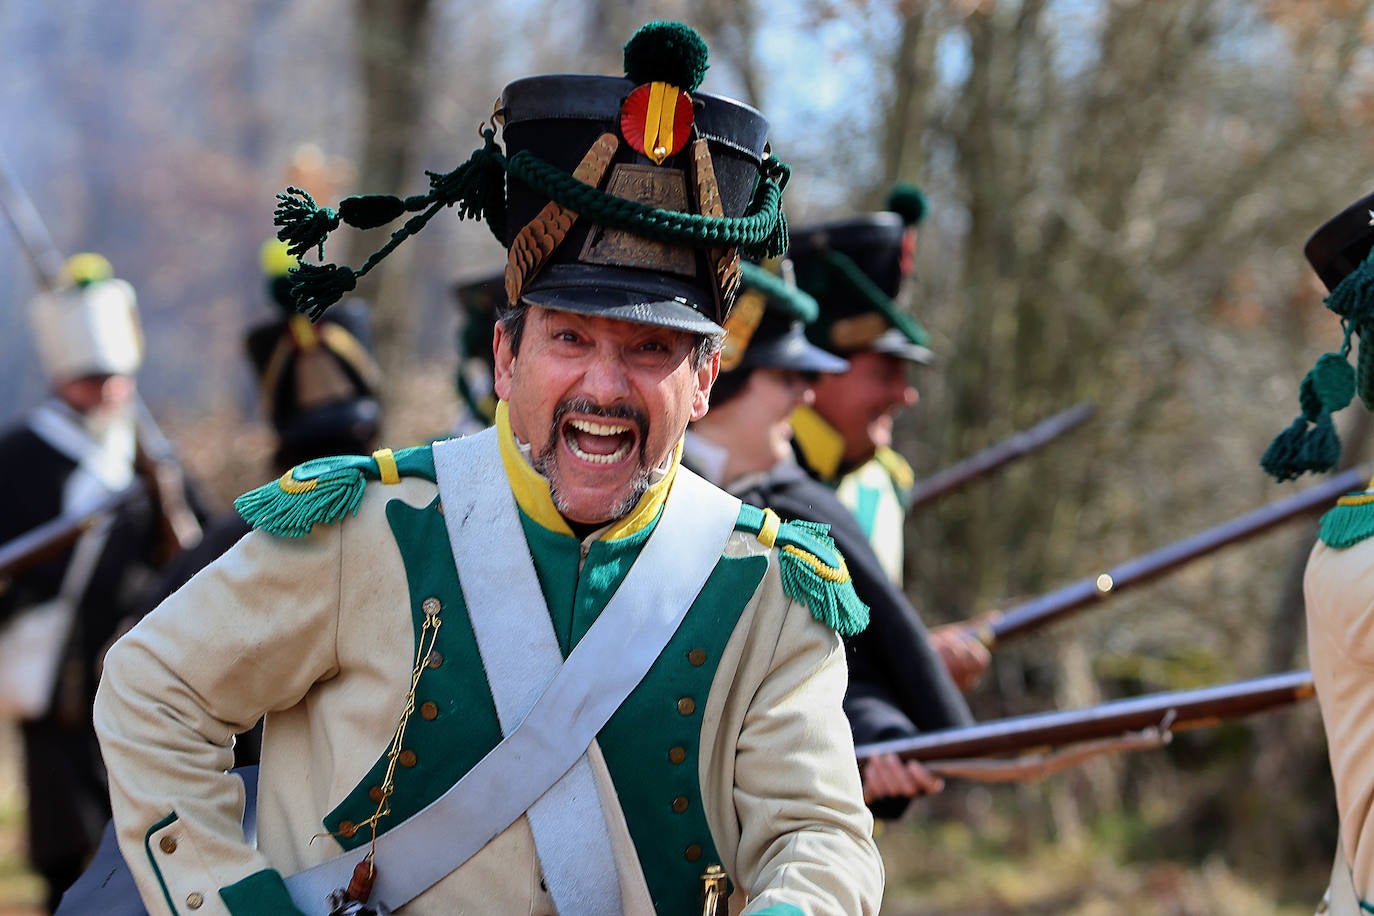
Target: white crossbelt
(575, 698)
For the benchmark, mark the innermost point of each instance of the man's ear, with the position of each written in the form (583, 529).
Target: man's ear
(706, 377)
(503, 361)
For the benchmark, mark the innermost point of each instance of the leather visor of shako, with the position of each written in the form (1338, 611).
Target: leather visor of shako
(595, 127)
(767, 327)
(1339, 251)
(855, 269)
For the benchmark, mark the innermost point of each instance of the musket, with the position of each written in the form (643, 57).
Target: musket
(994, 456)
(1038, 612)
(52, 537)
(29, 228)
(1146, 720)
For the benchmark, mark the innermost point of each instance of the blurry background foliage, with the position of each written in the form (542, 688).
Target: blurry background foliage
(1119, 192)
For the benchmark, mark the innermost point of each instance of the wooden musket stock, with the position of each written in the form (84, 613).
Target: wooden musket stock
(51, 538)
(1038, 612)
(1175, 710)
(993, 457)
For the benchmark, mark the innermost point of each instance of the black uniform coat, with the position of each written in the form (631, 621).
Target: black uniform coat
(898, 686)
(68, 799)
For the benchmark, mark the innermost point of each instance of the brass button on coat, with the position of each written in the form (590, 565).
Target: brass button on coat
(431, 606)
(195, 901)
(347, 828)
(429, 711)
(677, 754)
(167, 844)
(697, 657)
(435, 659)
(680, 804)
(407, 758)
(686, 706)
(693, 853)
(375, 794)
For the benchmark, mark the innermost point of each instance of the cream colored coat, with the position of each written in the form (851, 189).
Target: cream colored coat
(316, 633)
(1339, 589)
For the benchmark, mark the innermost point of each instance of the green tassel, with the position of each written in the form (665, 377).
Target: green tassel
(368, 211)
(1280, 458)
(315, 287)
(1349, 522)
(478, 186)
(274, 508)
(1321, 447)
(303, 224)
(813, 573)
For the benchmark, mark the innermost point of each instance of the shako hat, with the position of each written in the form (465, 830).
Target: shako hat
(479, 302)
(1339, 251)
(89, 325)
(629, 198)
(767, 327)
(855, 269)
(317, 383)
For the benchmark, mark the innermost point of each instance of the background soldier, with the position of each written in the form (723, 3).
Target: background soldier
(89, 440)
(897, 684)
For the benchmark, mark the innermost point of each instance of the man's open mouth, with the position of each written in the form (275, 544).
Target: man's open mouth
(599, 443)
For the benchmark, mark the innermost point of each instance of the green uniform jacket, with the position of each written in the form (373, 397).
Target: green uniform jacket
(733, 750)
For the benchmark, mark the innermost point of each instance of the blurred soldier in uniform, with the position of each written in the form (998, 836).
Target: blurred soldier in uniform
(1339, 580)
(89, 440)
(897, 683)
(478, 302)
(542, 668)
(317, 387)
(855, 269)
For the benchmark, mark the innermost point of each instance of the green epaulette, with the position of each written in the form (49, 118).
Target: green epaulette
(1350, 521)
(813, 572)
(324, 490)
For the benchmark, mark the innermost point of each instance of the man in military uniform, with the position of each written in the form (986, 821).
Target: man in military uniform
(855, 269)
(1339, 580)
(86, 443)
(897, 683)
(543, 668)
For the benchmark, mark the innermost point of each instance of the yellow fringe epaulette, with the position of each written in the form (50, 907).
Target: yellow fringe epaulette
(813, 572)
(322, 491)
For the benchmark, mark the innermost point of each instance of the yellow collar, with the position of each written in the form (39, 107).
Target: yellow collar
(531, 489)
(821, 445)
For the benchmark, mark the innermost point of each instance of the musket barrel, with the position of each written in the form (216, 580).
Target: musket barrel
(47, 539)
(989, 459)
(1183, 708)
(1040, 611)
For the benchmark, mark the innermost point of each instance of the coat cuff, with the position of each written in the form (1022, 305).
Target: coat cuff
(262, 893)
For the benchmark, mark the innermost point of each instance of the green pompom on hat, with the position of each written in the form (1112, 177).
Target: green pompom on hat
(666, 52)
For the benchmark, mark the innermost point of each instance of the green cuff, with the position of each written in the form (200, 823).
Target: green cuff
(262, 893)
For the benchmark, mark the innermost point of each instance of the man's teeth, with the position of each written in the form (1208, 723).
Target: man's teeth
(598, 429)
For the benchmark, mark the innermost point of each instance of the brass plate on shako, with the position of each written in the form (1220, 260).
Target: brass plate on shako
(665, 189)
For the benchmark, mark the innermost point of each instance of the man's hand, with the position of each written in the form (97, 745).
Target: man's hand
(964, 655)
(886, 776)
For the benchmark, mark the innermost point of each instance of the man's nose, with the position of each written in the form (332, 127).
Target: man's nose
(605, 379)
